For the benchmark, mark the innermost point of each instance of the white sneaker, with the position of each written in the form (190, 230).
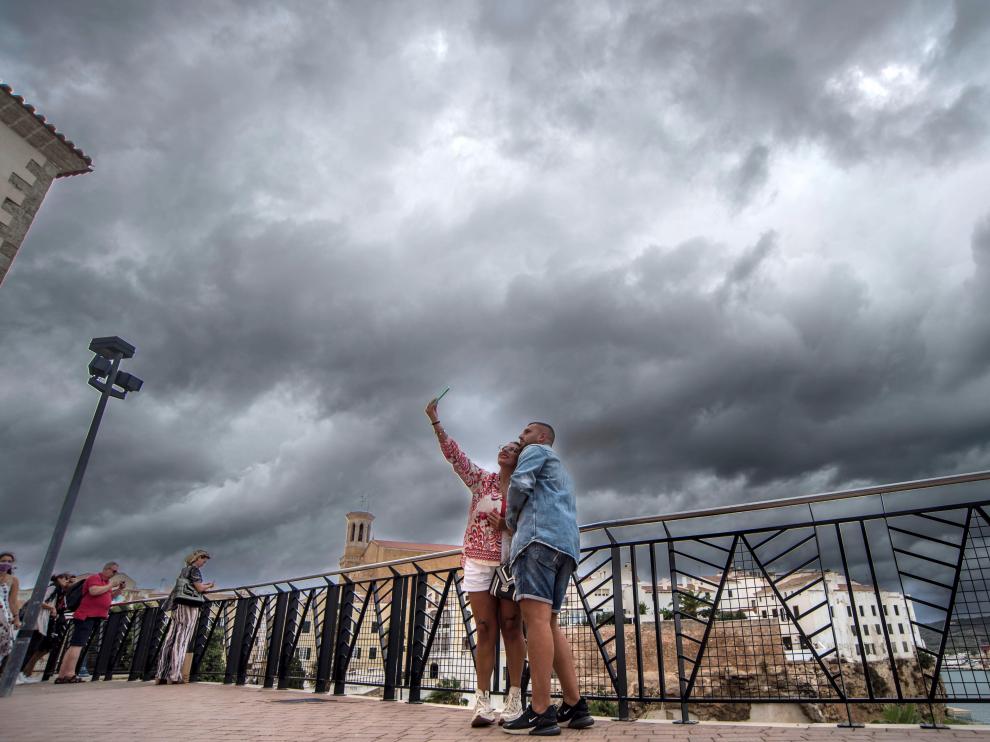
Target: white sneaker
(30, 678)
(23, 679)
(513, 706)
(484, 714)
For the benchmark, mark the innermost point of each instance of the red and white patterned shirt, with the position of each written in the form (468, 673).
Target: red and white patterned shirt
(482, 542)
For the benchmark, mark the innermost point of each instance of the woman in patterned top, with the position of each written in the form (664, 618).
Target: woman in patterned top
(486, 545)
(184, 611)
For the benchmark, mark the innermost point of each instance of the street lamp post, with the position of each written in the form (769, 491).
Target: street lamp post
(105, 365)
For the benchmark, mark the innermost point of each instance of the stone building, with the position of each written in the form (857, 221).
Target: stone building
(32, 155)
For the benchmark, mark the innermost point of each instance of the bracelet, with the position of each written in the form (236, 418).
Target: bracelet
(437, 422)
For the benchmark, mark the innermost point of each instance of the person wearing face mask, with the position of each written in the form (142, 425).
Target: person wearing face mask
(184, 603)
(486, 546)
(9, 621)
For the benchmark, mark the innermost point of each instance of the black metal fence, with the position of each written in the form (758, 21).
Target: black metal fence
(871, 596)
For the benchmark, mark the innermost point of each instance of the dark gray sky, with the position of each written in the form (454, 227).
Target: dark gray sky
(732, 251)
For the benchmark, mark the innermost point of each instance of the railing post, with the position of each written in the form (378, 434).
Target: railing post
(619, 621)
(235, 650)
(204, 632)
(418, 648)
(155, 645)
(288, 636)
(342, 646)
(396, 629)
(140, 658)
(678, 641)
(104, 660)
(328, 635)
(275, 641)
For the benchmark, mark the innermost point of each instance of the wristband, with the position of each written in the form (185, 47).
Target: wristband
(437, 422)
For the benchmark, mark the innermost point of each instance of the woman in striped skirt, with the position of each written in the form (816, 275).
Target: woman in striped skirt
(185, 612)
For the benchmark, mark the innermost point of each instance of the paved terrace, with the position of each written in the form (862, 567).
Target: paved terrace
(207, 711)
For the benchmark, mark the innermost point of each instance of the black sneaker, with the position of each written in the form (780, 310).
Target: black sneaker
(576, 716)
(538, 725)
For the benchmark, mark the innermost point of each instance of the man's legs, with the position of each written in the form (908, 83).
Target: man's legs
(68, 668)
(540, 643)
(563, 664)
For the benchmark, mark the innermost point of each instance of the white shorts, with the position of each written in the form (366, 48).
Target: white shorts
(477, 576)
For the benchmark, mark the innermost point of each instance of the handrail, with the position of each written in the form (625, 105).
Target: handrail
(881, 489)
(646, 519)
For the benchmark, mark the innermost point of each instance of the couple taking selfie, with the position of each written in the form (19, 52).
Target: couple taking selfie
(522, 516)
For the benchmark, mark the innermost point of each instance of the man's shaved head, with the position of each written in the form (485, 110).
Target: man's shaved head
(546, 429)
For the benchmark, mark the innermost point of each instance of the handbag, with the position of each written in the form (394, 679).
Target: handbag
(503, 585)
(184, 592)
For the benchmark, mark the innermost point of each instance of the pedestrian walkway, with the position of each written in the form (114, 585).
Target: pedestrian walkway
(204, 711)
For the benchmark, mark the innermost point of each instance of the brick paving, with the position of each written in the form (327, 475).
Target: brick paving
(205, 711)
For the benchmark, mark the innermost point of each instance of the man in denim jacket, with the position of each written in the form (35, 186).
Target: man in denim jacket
(541, 513)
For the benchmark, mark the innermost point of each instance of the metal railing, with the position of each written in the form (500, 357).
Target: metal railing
(849, 599)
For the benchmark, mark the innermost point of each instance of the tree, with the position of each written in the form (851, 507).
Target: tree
(213, 666)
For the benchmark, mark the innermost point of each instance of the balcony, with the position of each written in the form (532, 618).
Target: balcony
(843, 605)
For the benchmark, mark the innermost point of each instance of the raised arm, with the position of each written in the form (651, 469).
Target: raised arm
(521, 484)
(471, 474)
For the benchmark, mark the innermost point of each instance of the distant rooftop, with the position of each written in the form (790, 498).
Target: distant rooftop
(24, 119)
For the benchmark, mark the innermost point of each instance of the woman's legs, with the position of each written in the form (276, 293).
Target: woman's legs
(510, 624)
(484, 607)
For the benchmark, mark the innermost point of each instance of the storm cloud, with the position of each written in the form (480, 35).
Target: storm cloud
(731, 252)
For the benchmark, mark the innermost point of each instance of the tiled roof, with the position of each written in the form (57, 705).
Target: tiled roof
(68, 143)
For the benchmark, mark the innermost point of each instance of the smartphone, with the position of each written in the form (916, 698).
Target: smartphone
(442, 393)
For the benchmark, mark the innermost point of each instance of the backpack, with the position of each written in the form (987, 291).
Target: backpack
(74, 595)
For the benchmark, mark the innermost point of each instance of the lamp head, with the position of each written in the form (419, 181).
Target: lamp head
(99, 367)
(108, 347)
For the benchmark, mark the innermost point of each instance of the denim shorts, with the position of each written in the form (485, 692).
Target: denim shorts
(542, 574)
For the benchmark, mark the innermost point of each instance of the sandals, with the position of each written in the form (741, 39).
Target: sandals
(73, 679)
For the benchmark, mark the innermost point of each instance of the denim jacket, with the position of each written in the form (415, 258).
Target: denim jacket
(540, 504)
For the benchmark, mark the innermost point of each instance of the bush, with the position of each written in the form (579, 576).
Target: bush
(450, 697)
(901, 713)
(608, 709)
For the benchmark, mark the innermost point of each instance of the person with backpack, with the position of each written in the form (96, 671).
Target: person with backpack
(184, 603)
(89, 600)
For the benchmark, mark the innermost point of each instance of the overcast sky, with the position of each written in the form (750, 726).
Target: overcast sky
(731, 250)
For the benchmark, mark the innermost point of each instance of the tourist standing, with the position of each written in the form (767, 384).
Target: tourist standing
(48, 633)
(9, 606)
(184, 603)
(542, 515)
(98, 594)
(486, 546)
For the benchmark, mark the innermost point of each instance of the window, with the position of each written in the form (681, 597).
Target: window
(885, 610)
(890, 629)
(905, 646)
(861, 611)
(869, 649)
(897, 611)
(866, 630)
(900, 628)
(730, 593)
(303, 653)
(804, 643)
(878, 629)
(306, 627)
(873, 609)
(434, 670)
(357, 653)
(373, 653)
(855, 630)
(764, 614)
(353, 526)
(797, 611)
(773, 612)
(788, 644)
(374, 626)
(849, 611)
(361, 532)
